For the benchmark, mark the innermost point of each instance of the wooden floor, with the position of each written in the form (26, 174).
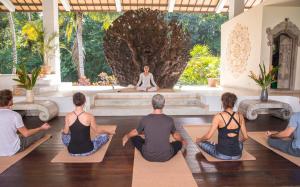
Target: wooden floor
(35, 169)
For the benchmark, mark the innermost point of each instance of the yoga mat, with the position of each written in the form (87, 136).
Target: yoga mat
(261, 138)
(63, 156)
(173, 173)
(199, 130)
(7, 161)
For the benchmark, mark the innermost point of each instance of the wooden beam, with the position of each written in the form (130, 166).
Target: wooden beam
(9, 5)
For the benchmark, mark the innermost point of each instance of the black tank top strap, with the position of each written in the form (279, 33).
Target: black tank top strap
(77, 115)
(232, 118)
(223, 118)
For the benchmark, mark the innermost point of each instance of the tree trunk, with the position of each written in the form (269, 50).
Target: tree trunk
(78, 50)
(14, 41)
(29, 16)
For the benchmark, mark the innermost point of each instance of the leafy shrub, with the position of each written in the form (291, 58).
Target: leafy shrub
(202, 65)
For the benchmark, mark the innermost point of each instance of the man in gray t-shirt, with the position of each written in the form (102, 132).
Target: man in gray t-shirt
(291, 146)
(157, 128)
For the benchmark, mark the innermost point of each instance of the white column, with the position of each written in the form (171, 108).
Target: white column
(50, 24)
(236, 7)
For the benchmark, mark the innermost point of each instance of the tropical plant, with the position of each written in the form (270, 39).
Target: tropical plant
(202, 65)
(265, 78)
(25, 79)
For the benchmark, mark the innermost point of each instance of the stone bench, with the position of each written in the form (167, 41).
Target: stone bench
(251, 108)
(46, 109)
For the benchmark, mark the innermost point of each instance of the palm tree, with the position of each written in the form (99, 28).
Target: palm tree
(14, 41)
(74, 22)
(78, 48)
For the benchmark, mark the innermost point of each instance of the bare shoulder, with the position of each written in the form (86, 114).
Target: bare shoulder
(89, 115)
(68, 115)
(218, 115)
(240, 115)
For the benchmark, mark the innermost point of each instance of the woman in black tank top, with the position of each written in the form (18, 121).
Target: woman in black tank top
(76, 135)
(229, 124)
(80, 141)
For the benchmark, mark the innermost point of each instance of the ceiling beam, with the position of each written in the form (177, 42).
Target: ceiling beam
(220, 6)
(66, 5)
(9, 5)
(171, 5)
(118, 5)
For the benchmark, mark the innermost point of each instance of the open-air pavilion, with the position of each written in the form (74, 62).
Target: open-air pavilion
(257, 32)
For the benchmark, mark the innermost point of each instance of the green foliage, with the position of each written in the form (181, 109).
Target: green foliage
(203, 28)
(202, 65)
(24, 79)
(105, 18)
(33, 35)
(93, 44)
(26, 55)
(265, 78)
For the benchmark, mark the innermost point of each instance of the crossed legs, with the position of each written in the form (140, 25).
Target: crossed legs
(145, 89)
(27, 141)
(284, 146)
(138, 143)
(98, 142)
(210, 148)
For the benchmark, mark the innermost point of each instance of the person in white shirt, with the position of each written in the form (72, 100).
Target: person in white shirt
(145, 81)
(10, 123)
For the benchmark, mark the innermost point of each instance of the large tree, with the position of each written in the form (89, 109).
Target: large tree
(144, 37)
(78, 48)
(14, 41)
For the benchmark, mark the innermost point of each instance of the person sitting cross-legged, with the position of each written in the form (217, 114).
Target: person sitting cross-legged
(145, 80)
(287, 140)
(11, 123)
(76, 133)
(157, 128)
(229, 124)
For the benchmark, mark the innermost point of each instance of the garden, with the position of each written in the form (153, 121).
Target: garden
(82, 45)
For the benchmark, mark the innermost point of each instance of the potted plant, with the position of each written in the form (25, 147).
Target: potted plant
(212, 77)
(264, 80)
(26, 80)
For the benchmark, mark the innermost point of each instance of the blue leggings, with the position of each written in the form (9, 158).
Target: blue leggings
(210, 148)
(98, 142)
(284, 146)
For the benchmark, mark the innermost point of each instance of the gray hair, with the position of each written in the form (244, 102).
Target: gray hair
(158, 101)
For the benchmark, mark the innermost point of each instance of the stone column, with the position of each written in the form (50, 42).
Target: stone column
(51, 27)
(236, 7)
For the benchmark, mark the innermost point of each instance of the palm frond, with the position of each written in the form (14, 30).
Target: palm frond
(24, 80)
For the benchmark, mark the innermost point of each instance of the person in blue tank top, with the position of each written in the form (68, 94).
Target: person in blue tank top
(287, 140)
(76, 133)
(229, 124)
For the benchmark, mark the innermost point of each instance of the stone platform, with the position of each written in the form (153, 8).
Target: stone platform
(139, 103)
(103, 101)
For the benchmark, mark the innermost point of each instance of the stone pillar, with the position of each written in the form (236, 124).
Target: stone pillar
(51, 27)
(236, 7)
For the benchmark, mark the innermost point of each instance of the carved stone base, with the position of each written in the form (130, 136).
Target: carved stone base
(46, 110)
(251, 108)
